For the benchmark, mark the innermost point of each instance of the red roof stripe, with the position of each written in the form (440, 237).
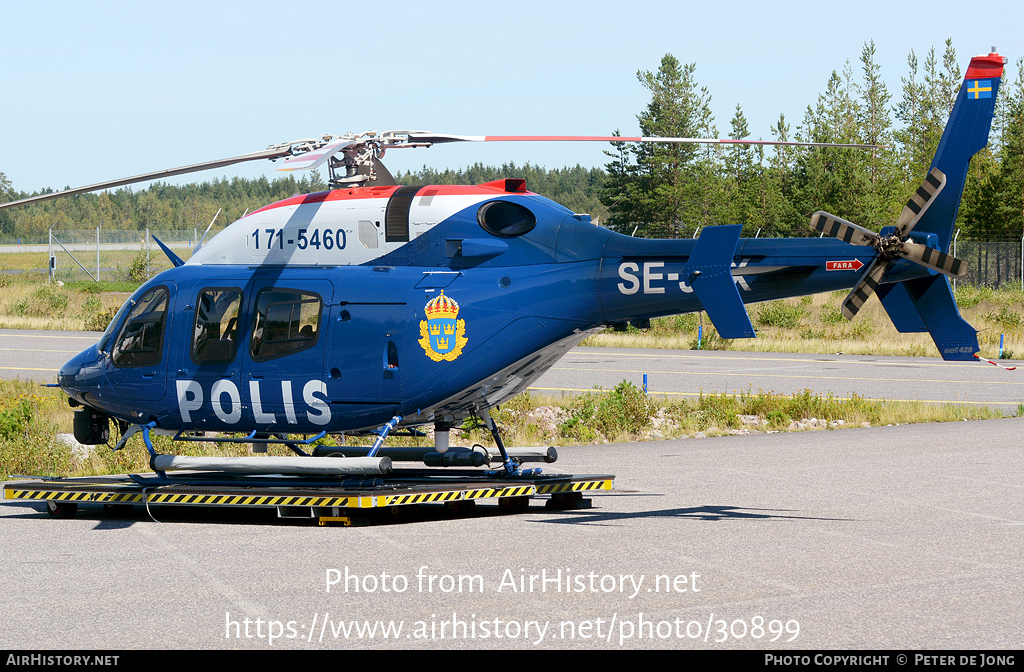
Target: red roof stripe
(382, 192)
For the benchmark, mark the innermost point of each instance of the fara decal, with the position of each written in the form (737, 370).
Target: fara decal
(442, 336)
(847, 265)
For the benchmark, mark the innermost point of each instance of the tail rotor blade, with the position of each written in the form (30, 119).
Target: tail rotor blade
(918, 204)
(856, 299)
(845, 231)
(931, 258)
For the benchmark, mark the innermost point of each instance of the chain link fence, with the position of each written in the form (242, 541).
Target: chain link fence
(107, 237)
(100, 254)
(118, 255)
(991, 263)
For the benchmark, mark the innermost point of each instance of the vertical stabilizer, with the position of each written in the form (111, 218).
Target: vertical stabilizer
(965, 135)
(928, 303)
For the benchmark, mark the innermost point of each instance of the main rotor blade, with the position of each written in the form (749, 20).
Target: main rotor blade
(316, 157)
(918, 204)
(438, 138)
(156, 175)
(931, 258)
(848, 232)
(856, 299)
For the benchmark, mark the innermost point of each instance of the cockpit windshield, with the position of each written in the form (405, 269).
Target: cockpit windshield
(104, 342)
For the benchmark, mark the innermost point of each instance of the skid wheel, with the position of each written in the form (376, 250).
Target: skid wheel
(61, 509)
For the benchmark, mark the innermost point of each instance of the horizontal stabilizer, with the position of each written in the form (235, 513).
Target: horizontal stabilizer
(709, 274)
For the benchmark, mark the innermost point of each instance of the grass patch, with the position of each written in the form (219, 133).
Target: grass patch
(91, 287)
(815, 324)
(31, 417)
(782, 314)
(26, 302)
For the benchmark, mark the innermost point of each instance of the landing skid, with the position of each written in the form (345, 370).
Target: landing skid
(372, 462)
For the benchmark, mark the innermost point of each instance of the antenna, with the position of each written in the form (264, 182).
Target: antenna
(199, 245)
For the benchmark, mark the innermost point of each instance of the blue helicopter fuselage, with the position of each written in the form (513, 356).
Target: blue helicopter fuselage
(461, 317)
(344, 310)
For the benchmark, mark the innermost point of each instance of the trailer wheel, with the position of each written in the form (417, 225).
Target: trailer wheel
(61, 509)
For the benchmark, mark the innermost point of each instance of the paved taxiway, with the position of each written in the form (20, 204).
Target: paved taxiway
(888, 537)
(688, 373)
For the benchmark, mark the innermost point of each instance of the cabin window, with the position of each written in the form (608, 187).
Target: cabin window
(140, 342)
(215, 333)
(505, 218)
(287, 321)
(368, 234)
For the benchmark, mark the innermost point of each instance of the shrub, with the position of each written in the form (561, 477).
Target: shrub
(51, 299)
(138, 270)
(581, 416)
(624, 409)
(98, 320)
(832, 315)
(710, 340)
(13, 420)
(780, 314)
(1006, 319)
(969, 296)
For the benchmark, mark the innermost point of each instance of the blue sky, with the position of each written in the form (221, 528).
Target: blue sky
(99, 90)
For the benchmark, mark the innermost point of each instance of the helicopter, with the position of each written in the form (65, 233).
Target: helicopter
(378, 308)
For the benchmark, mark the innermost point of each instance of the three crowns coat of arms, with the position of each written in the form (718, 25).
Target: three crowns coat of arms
(442, 335)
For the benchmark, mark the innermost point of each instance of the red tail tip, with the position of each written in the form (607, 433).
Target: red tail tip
(985, 67)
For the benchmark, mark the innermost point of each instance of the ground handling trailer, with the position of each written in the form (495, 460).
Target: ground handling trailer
(350, 500)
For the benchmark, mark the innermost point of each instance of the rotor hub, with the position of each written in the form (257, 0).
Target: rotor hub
(889, 246)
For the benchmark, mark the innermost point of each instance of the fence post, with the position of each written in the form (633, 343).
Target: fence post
(49, 256)
(954, 253)
(147, 253)
(98, 252)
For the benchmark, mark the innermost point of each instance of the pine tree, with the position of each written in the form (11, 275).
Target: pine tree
(6, 194)
(828, 178)
(1009, 196)
(705, 193)
(740, 173)
(650, 185)
(913, 136)
(779, 180)
(883, 186)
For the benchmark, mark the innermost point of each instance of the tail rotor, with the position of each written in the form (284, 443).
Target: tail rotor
(892, 246)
